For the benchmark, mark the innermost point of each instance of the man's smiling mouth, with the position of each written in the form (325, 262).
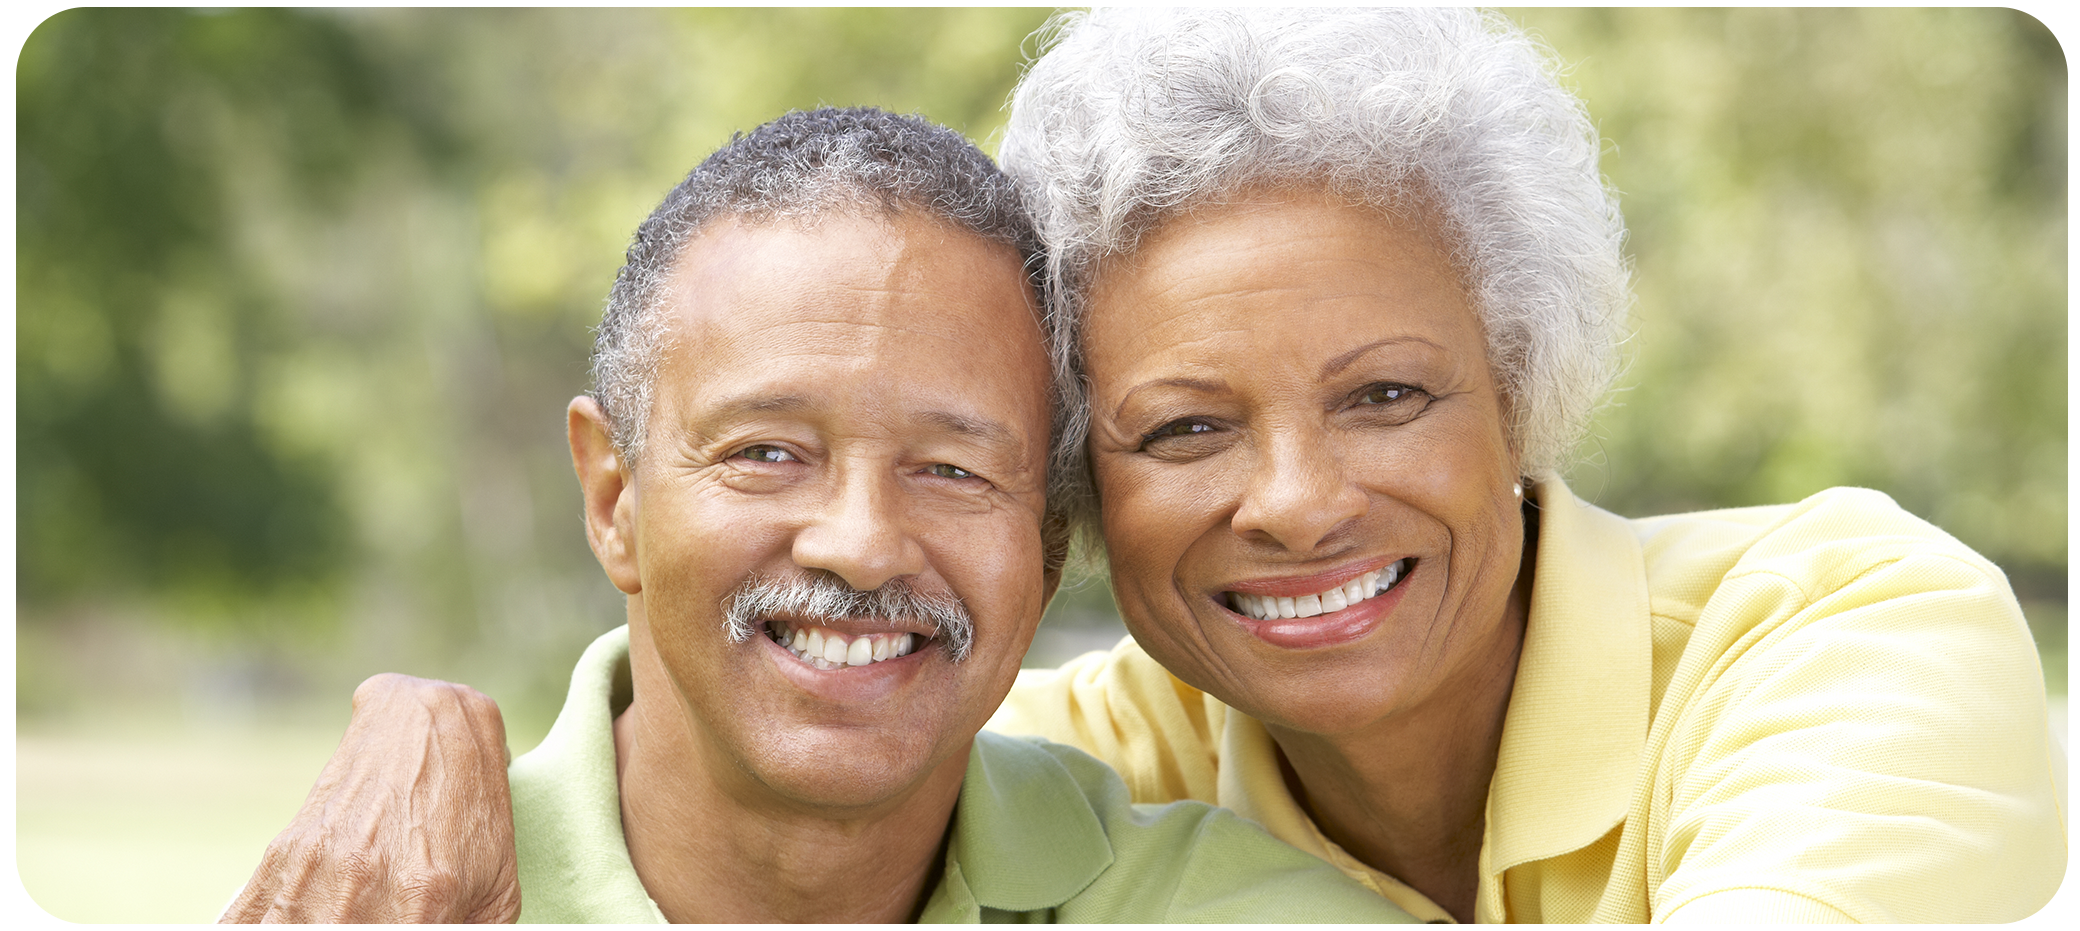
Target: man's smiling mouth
(825, 648)
(1363, 588)
(788, 611)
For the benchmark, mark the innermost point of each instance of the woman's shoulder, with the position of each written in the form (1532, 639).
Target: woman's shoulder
(1841, 648)
(1811, 548)
(1124, 708)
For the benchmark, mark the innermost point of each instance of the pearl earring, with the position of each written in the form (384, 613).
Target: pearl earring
(1517, 488)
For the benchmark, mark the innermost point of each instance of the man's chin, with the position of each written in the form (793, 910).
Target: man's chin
(858, 738)
(850, 771)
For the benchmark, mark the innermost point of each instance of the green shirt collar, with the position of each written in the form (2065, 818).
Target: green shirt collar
(1024, 835)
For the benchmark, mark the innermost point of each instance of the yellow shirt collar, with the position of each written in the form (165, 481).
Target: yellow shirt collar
(1576, 725)
(1578, 714)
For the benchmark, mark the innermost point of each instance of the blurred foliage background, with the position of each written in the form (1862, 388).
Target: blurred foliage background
(301, 296)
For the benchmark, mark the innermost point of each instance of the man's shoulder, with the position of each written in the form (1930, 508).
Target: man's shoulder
(1181, 861)
(573, 858)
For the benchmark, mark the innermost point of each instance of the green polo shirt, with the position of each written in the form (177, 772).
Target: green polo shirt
(1042, 832)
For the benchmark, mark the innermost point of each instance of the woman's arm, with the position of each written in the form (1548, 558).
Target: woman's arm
(410, 821)
(1857, 732)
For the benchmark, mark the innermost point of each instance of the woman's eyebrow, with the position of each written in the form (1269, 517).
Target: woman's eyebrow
(1343, 361)
(1200, 385)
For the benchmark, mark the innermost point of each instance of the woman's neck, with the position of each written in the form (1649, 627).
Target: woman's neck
(1408, 794)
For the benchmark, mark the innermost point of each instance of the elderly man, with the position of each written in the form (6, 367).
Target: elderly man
(814, 460)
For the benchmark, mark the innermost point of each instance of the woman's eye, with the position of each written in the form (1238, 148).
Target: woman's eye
(1399, 404)
(1178, 428)
(944, 470)
(1387, 394)
(767, 454)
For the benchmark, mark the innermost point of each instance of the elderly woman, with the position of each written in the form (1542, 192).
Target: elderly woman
(1343, 289)
(1336, 293)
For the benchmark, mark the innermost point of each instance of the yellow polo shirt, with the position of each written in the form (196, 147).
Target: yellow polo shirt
(1823, 711)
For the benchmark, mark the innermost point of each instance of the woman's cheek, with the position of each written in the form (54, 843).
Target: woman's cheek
(1133, 525)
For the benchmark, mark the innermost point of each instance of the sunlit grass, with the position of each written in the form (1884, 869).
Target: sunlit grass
(160, 824)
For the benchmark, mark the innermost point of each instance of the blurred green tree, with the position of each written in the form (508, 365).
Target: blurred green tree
(301, 294)
(1849, 230)
(139, 465)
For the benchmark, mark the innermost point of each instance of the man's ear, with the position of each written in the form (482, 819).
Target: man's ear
(610, 494)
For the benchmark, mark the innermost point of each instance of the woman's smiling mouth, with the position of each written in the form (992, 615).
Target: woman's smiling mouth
(1319, 611)
(1334, 598)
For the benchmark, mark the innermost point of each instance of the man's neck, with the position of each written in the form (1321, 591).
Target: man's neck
(711, 844)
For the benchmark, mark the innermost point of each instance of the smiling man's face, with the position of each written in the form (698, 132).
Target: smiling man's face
(857, 403)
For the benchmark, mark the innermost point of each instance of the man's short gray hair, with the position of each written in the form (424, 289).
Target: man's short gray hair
(801, 165)
(1135, 115)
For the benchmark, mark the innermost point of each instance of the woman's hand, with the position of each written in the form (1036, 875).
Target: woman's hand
(411, 820)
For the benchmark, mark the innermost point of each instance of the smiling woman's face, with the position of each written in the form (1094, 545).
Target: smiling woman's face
(1301, 452)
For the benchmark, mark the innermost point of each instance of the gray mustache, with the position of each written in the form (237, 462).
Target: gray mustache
(822, 596)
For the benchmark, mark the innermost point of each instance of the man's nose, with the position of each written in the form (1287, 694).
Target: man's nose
(861, 533)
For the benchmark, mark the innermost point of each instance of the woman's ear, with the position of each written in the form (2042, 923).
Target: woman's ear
(610, 494)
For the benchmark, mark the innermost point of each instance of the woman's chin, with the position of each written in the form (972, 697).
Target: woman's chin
(1323, 674)
(1345, 698)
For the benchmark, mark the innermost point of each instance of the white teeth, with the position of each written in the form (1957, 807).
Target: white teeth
(1266, 607)
(828, 649)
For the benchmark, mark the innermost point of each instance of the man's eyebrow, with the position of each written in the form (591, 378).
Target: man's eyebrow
(731, 408)
(981, 428)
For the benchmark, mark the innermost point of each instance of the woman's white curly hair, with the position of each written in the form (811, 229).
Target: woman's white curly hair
(1135, 115)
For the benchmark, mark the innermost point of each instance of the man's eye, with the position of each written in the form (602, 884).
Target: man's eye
(767, 454)
(944, 470)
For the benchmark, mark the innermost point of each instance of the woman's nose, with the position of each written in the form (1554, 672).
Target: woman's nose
(860, 535)
(1297, 494)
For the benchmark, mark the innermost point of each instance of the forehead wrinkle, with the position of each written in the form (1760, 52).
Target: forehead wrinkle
(829, 329)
